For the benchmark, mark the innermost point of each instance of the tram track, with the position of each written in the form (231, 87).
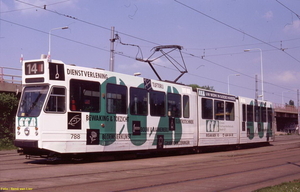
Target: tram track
(13, 162)
(156, 171)
(36, 161)
(205, 178)
(197, 179)
(41, 163)
(183, 181)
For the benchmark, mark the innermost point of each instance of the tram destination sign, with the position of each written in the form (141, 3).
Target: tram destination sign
(216, 95)
(34, 68)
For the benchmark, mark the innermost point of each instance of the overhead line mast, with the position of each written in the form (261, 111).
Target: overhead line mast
(112, 50)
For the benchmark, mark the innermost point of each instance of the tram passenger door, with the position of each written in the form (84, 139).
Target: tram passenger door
(269, 124)
(56, 108)
(247, 123)
(54, 119)
(244, 123)
(137, 114)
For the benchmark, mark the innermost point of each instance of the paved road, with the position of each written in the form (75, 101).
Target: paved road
(238, 170)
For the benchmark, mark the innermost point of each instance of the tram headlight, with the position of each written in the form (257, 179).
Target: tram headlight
(102, 125)
(26, 131)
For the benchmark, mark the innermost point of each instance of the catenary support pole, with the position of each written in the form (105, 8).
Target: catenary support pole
(112, 51)
(298, 99)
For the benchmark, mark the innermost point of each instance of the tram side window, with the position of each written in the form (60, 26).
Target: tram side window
(257, 111)
(84, 96)
(57, 100)
(263, 114)
(174, 105)
(219, 110)
(244, 112)
(138, 101)
(250, 113)
(186, 106)
(270, 116)
(157, 103)
(229, 111)
(207, 108)
(116, 98)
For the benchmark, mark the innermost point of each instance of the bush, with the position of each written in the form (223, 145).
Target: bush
(8, 108)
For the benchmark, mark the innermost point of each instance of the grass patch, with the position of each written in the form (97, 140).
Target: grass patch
(4, 145)
(292, 186)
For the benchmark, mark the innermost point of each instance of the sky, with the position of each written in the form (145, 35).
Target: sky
(214, 35)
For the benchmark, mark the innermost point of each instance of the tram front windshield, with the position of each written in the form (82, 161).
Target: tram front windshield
(32, 101)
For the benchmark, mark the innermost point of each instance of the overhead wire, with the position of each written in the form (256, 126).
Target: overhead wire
(117, 37)
(130, 57)
(266, 82)
(288, 9)
(238, 30)
(238, 53)
(44, 8)
(243, 74)
(79, 42)
(92, 46)
(86, 22)
(242, 45)
(96, 25)
(15, 10)
(71, 40)
(235, 29)
(223, 23)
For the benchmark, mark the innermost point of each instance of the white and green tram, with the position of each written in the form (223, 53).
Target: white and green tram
(66, 109)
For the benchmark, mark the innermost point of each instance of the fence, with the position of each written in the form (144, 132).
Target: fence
(10, 75)
(285, 108)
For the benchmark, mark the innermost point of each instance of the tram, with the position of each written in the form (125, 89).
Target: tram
(66, 109)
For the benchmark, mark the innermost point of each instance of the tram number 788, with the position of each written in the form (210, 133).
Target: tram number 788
(75, 136)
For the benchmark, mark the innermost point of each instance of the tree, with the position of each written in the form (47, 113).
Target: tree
(291, 103)
(8, 108)
(207, 87)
